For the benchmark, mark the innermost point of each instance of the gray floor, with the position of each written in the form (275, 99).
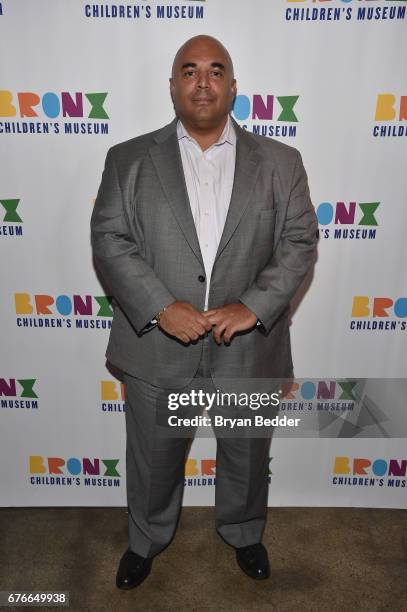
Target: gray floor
(323, 559)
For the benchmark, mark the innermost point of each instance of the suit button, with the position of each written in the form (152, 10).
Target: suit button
(201, 278)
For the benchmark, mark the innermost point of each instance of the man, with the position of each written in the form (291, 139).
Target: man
(202, 232)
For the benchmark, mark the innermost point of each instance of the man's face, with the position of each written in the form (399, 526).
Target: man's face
(202, 86)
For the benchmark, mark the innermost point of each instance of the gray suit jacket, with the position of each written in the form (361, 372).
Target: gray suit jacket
(146, 248)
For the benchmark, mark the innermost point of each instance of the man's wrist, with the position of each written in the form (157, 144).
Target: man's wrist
(258, 322)
(160, 313)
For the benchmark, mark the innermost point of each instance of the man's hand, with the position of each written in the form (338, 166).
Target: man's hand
(183, 321)
(230, 319)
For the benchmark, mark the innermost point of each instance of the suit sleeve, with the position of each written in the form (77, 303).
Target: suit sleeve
(117, 254)
(274, 287)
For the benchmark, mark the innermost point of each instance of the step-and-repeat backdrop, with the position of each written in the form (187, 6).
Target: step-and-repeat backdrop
(327, 77)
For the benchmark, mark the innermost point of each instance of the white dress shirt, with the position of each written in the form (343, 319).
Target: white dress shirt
(209, 178)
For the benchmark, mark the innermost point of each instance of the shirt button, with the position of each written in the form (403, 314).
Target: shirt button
(206, 183)
(201, 278)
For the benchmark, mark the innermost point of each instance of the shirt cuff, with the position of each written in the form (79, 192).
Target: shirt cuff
(149, 326)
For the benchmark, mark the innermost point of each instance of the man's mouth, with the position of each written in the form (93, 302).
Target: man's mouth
(202, 100)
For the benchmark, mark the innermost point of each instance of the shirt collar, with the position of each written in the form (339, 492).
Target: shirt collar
(228, 134)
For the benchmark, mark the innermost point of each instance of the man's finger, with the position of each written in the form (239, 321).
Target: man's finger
(198, 328)
(229, 333)
(204, 322)
(218, 331)
(210, 312)
(215, 319)
(192, 334)
(183, 337)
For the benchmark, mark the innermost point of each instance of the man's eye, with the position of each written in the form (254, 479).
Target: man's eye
(189, 73)
(216, 73)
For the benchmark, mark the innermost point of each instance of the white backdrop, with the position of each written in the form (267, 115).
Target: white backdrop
(345, 62)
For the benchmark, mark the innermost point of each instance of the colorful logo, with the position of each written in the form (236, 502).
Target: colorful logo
(338, 408)
(366, 310)
(112, 395)
(358, 218)
(74, 471)
(42, 310)
(202, 472)
(361, 471)
(18, 393)
(344, 10)
(25, 107)
(267, 108)
(10, 216)
(390, 111)
(317, 395)
(319, 389)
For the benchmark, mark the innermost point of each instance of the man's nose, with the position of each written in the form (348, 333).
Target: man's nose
(203, 80)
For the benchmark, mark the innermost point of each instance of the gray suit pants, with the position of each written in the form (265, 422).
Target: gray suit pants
(155, 473)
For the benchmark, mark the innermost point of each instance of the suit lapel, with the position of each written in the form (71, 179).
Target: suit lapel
(247, 167)
(167, 160)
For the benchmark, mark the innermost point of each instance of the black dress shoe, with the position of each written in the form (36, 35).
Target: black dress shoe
(133, 569)
(253, 560)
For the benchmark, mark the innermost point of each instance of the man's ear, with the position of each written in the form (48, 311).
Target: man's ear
(171, 80)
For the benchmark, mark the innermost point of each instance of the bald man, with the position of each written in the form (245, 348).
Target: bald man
(202, 233)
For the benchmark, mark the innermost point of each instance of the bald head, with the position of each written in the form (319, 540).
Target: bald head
(198, 44)
(202, 84)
